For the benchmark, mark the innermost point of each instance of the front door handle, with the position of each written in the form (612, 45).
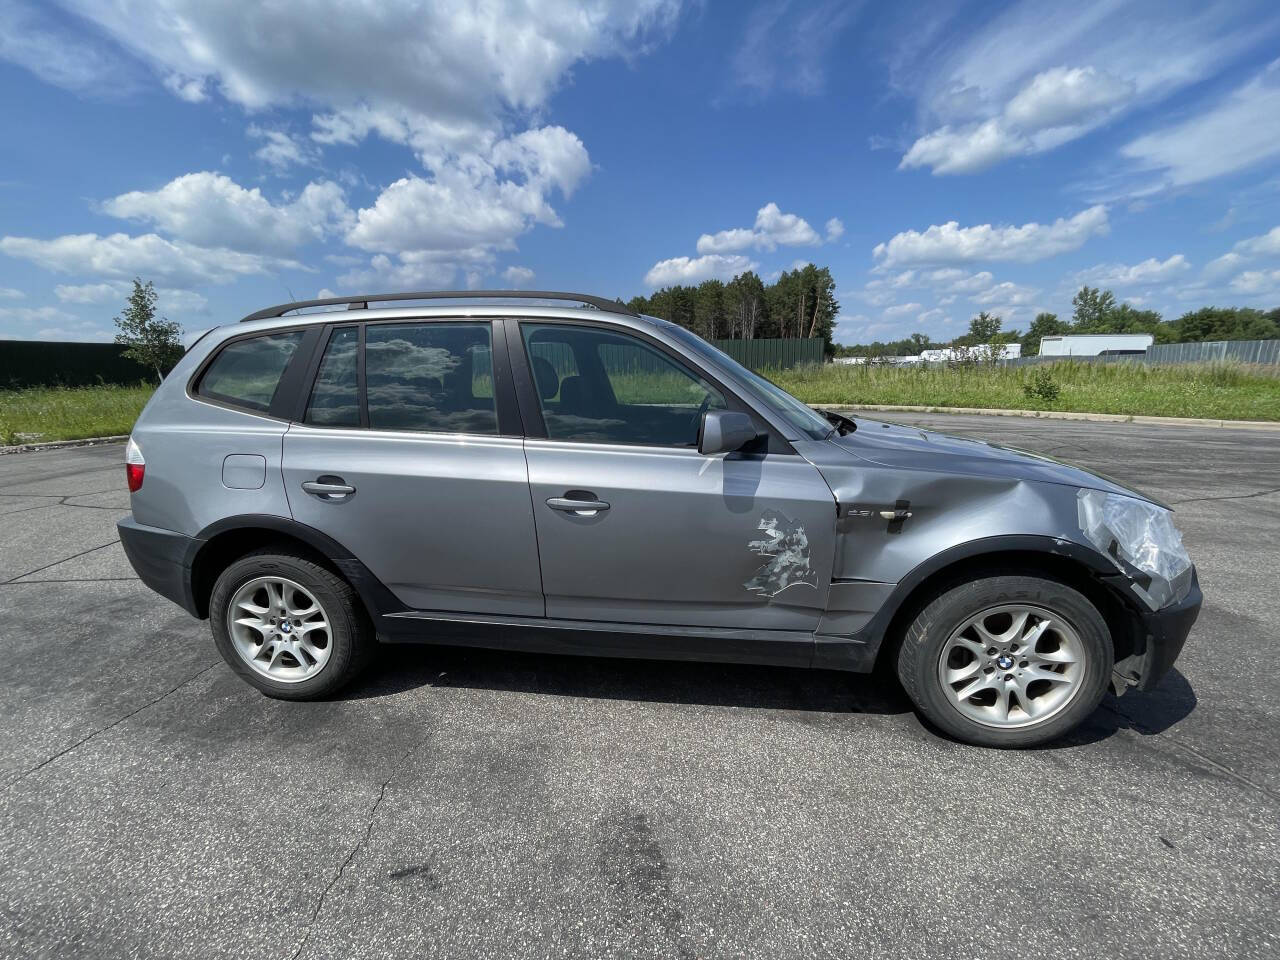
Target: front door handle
(329, 488)
(583, 508)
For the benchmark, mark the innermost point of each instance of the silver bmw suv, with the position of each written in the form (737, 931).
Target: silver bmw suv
(482, 469)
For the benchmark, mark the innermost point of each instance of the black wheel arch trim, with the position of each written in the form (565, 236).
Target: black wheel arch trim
(876, 630)
(377, 598)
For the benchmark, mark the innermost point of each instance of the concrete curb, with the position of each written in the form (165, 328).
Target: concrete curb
(61, 444)
(1061, 415)
(840, 407)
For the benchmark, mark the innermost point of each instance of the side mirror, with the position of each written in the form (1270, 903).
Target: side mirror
(724, 431)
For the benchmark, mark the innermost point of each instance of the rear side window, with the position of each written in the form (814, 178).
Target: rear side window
(435, 377)
(246, 373)
(335, 399)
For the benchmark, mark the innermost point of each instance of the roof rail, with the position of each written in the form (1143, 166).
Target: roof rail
(363, 300)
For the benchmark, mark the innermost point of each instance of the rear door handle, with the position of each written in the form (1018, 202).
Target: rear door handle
(328, 488)
(583, 508)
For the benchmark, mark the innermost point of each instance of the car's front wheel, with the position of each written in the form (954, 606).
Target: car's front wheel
(1007, 661)
(289, 626)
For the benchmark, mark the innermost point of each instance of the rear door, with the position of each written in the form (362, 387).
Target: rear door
(409, 454)
(663, 534)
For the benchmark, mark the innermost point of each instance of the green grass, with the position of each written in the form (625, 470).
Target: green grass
(40, 414)
(1224, 391)
(1228, 391)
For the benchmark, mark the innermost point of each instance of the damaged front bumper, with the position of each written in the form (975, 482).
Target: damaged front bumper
(1160, 635)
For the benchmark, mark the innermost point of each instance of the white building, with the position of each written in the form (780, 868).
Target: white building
(979, 351)
(1094, 344)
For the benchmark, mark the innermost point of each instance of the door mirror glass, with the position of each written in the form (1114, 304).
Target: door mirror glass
(724, 431)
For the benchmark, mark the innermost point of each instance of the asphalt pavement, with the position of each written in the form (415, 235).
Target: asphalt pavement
(465, 803)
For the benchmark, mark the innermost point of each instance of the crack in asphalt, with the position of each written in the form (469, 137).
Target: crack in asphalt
(1199, 755)
(1236, 496)
(359, 845)
(74, 556)
(114, 723)
(62, 502)
(23, 583)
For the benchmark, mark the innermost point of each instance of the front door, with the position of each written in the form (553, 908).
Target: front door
(634, 524)
(401, 460)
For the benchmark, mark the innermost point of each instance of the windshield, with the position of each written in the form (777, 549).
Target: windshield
(808, 421)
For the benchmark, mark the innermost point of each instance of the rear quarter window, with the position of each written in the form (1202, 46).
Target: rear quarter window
(246, 373)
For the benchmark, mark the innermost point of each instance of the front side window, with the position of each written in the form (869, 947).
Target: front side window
(435, 377)
(246, 373)
(803, 418)
(599, 386)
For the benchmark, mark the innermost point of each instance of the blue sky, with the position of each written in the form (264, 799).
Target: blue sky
(941, 157)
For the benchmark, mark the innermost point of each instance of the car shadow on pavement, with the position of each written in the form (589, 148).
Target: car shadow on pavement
(1146, 714)
(710, 684)
(409, 667)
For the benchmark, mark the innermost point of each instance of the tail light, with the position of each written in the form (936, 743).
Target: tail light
(135, 467)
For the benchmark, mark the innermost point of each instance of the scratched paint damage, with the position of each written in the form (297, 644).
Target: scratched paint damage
(786, 546)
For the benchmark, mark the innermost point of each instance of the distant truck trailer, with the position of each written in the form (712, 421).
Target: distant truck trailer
(1095, 344)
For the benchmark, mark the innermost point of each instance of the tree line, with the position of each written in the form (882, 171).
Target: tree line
(800, 303)
(1094, 311)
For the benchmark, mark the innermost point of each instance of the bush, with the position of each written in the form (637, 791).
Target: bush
(1042, 386)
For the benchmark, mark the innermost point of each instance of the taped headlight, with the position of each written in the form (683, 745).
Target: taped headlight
(1142, 540)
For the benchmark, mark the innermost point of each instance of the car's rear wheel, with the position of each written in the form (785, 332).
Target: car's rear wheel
(289, 626)
(1007, 661)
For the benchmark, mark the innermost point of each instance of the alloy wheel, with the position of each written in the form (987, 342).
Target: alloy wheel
(279, 629)
(1014, 665)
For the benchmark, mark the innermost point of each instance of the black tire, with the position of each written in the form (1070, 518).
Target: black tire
(350, 634)
(922, 647)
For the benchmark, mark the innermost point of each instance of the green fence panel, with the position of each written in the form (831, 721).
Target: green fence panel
(773, 354)
(41, 363)
(1244, 351)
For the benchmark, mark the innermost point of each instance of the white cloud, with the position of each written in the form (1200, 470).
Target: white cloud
(686, 270)
(1006, 294)
(1062, 97)
(772, 229)
(451, 60)
(122, 256)
(33, 39)
(1266, 245)
(190, 89)
(1238, 132)
(476, 201)
(420, 269)
(901, 309)
(727, 241)
(1056, 106)
(955, 280)
(186, 301)
(8, 293)
(210, 209)
(784, 229)
(786, 48)
(951, 243)
(1033, 77)
(1255, 282)
(90, 292)
(281, 151)
(30, 315)
(835, 229)
(518, 278)
(1149, 271)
